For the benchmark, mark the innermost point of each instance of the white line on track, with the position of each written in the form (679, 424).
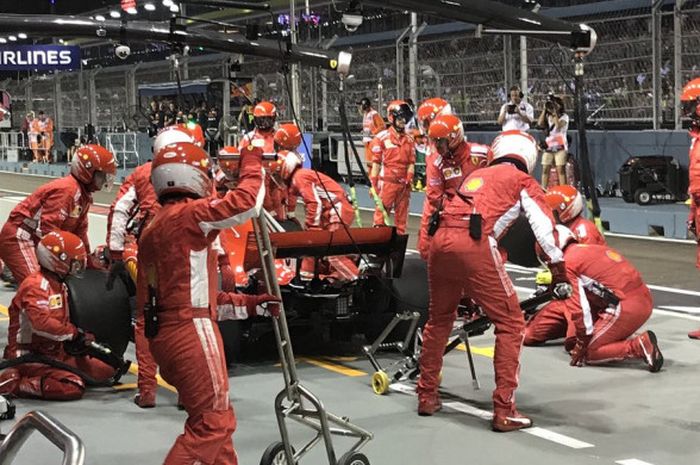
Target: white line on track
(486, 415)
(651, 238)
(632, 462)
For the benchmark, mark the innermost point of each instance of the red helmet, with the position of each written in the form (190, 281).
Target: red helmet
(94, 166)
(287, 163)
(230, 162)
(431, 109)
(398, 109)
(181, 168)
(515, 145)
(62, 252)
(566, 201)
(689, 99)
(264, 116)
(288, 136)
(446, 127)
(178, 133)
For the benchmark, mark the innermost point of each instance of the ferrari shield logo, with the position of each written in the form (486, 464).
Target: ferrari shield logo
(55, 301)
(452, 172)
(77, 210)
(473, 185)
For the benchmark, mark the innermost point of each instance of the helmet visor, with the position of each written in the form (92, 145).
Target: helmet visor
(264, 122)
(442, 145)
(103, 181)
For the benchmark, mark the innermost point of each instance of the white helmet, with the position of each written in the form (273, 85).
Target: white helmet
(288, 162)
(565, 236)
(516, 145)
(181, 168)
(173, 135)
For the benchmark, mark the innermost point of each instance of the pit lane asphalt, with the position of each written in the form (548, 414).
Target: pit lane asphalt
(593, 415)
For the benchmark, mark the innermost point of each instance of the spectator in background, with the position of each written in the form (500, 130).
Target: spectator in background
(555, 123)
(212, 134)
(245, 117)
(25, 129)
(155, 117)
(202, 114)
(516, 113)
(169, 115)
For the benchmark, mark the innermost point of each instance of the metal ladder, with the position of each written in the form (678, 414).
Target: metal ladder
(295, 402)
(52, 429)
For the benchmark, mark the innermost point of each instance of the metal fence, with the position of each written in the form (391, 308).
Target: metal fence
(642, 57)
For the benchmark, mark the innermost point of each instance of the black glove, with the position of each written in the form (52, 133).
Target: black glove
(79, 344)
(118, 270)
(691, 228)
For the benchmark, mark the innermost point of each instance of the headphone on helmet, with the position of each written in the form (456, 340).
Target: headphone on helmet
(520, 92)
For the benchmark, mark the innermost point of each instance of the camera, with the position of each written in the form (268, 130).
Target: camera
(511, 108)
(352, 21)
(122, 51)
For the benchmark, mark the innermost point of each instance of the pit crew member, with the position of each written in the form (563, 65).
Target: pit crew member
(464, 259)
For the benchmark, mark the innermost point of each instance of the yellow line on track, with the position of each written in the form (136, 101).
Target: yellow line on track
(484, 351)
(343, 370)
(125, 387)
(134, 370)
(3, 310)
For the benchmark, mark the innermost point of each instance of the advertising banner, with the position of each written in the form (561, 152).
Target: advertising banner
(44, 57)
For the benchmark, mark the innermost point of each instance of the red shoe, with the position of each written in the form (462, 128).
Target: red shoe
(428, 404)
(145, 399)
(9, 381)
(651, 352)
(694, 334)
(510, 422)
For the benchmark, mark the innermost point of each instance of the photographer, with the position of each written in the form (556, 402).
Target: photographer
(555, 123)
(516, 114)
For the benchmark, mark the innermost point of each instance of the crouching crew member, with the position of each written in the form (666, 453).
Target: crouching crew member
(40, 324)
(608, 304)
(61, 204)
(177, 292)
(553, 321)
(464, 258)
(450, 160)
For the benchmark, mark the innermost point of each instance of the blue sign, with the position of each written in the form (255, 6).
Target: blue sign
(28, 57)
(309, 139)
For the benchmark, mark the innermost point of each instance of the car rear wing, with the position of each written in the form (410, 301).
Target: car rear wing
(385, 244)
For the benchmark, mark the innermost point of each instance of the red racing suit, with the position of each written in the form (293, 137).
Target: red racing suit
(443, 177)
(461, 265)
(136, 192)
(594, 271)
(553, 321)
(694, 187)
(325, 201)
(177, 261)
(275, 195)
(372, 124)
(327, 207)
(39, 323)
(396, 153)
(60, 204)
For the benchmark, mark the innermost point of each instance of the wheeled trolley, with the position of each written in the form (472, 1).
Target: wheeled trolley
(295, 402)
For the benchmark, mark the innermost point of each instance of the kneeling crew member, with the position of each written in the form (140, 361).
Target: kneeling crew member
(609, 303)
(177, 292)
(40, 323)
(553, 321)
(464, 258)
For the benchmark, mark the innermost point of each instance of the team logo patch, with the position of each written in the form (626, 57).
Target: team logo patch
(452, 172)
(77, 210)
(614, 256)
(55, 301)
(473, 185)
(389, 144)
